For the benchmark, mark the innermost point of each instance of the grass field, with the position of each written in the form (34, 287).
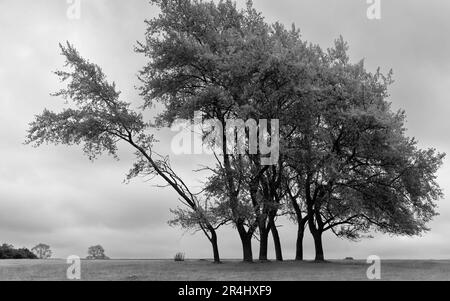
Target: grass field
(131, 270)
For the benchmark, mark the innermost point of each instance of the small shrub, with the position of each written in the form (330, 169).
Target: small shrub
(179, 256)
(349, 258)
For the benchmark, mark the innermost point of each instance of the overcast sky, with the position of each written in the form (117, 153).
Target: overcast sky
(57, 196)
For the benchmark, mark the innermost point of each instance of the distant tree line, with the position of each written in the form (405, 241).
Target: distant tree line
(43, 251)
(345, 163)
(9, 252)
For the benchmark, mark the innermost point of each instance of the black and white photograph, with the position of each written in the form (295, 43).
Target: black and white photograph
(224, 141)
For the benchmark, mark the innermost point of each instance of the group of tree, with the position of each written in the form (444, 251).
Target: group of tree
(345, 163)
(8, 251)
(40, 251)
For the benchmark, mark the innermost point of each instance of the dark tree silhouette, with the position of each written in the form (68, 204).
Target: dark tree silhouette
(9, 252)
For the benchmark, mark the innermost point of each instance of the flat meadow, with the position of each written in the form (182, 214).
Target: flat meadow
(229, 270)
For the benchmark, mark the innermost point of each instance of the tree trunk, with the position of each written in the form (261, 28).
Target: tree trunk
(263, 243)
(318, 245)
(316, 232)
(246, 240)
(247, 249)
(215, 247)
(299, 245)
(276, 242)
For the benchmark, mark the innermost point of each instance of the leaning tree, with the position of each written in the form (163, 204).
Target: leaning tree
(96, 118)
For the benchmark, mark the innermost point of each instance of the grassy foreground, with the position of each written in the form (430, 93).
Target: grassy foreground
(127, 270)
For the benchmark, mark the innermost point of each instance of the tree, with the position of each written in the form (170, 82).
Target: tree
(99, 120)
(42, 251)
(96, 252)
(357, 169)
(209, 57)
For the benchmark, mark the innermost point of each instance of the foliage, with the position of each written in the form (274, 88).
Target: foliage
(346, 163)
(9, 252)
(42, 251)
(96, 252)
